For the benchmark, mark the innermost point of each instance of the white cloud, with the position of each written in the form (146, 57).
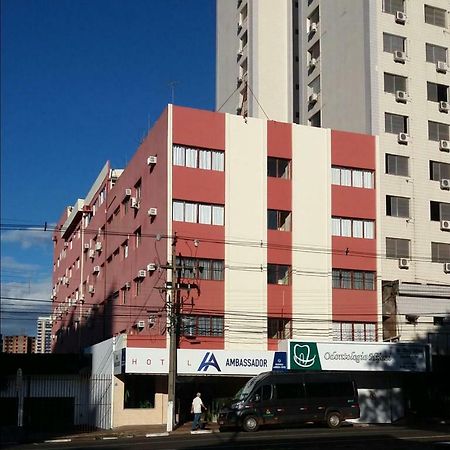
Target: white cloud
(9, 263)
(27, 238)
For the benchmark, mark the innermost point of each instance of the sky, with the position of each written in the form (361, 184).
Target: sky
(81, 83)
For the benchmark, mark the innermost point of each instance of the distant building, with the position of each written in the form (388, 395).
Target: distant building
(18, 344)
(44, 335)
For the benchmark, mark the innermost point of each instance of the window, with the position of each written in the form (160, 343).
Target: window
(314, 86)
(202, 269)
(439, 211)
(440, 252)
(397, 165)
(139, 391)
(289, 391)
(437, 131)
(342, 176)
(278, 168)
(437, 92)
(394, 83)
(343, 331)
(397, 248)
(125, 249)
(138, 285)
(315, 121)
(392, 43)
(202, 326)
(357, 228)
(395, 123)
(278, 220)
(392, 6)
(314, 51)
(278, 274)
(353, 279)
(198, 213)
(435, 53)
(137, 237)
(435, 16)
(397, 206)
(439, 170)
(124, 295)
(198, 158)
(279, 328)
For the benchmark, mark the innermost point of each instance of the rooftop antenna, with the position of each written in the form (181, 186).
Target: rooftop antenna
(172, 85)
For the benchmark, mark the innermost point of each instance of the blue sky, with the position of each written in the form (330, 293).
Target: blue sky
(81, 82)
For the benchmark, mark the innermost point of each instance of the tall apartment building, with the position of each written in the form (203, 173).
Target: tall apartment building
(370, 66)
(44, 335)
(18, 344)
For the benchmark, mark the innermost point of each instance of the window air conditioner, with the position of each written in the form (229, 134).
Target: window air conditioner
(98, 246)
(128, 192)
(401, 96)
(140, 324)
(403, 138)
(445, 183)
(153, 212)
(91, 289)
(134, 203)
(447, 267)
(66, 244)
(312, 27)
(445, 225)
(151, 267)
(86, 247)
(96, 269)
(91, 253)
(313, 98)
(141, 274)
(441, 66)
(312, 63)
(152, 160)
(444, 107)
(400, 17)
(444, 146)
(403, 263)
(127, 285)
(399, 56)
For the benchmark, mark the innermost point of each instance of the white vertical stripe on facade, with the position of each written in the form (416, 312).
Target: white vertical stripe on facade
(169, 201)
(311, 233)
(246, 222)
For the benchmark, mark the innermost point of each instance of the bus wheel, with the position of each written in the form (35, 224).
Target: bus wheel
(334, 419)
(250, 423)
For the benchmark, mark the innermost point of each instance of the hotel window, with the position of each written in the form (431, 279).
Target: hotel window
(392, 43)
(137, 237)
(278, 168)
(357, 228)
(437, 92)
(139, 392)
(435, 16)
(202, 326)
(440, 252)
(198, 213)
(439, 211)
(435, 53)
(125, 249)
(438, 131)
(392, 6)
(394, 83)
(314, 51)
(398, 248)
(279, 220)
(341, 176)
(395, 123)
(201, 269)
(279, 328)
(138, 285)
(397, 206)
(353, 279)
(397, 165)
(124, 295)
(439, 170)
(198, 158)
(344, 331)
(278, 274)
(315, 121)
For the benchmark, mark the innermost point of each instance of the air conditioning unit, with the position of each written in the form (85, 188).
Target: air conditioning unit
(400, 17)
(127, 285)
(151, 267)
(447, 267)
(142, 273)
(96, 269)
(401, 96)
(98, 246)
(399, 56)
(153, 212)
(444, 107)
(444, 146)
(140, 324)
(403, 138)
(403, 263)
(445, 183)
(313, 98)
(151, 321)
(91, 253)
(312, 63)
(65, 280)
(86, 247)
(152, 160)
(441, 66)
(91, 289)
(134, 203)
(128, 192)
(66, 244)
(445, 225)
(312, 27)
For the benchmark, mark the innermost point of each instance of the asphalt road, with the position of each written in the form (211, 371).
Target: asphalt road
(355, 438)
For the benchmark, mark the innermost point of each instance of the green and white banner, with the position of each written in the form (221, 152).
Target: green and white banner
(367, 356)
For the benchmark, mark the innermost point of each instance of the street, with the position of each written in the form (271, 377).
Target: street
(309, 438)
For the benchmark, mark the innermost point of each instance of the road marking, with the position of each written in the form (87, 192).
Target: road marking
(156, 434)
(57, 441)
(110, 438)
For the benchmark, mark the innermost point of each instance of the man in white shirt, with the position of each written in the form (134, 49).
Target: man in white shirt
(196, 408)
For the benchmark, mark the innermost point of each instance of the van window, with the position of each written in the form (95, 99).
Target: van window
(264, 393)
(289, 391)
(334, 389)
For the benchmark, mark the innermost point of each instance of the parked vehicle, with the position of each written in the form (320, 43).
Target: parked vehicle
(287, 398)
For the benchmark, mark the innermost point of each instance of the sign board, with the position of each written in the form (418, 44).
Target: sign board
(367, 356)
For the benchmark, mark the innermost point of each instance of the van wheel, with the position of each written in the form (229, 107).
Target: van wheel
(250, 423)
(334, 420)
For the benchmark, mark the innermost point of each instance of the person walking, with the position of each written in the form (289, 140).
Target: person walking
(196, 409)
